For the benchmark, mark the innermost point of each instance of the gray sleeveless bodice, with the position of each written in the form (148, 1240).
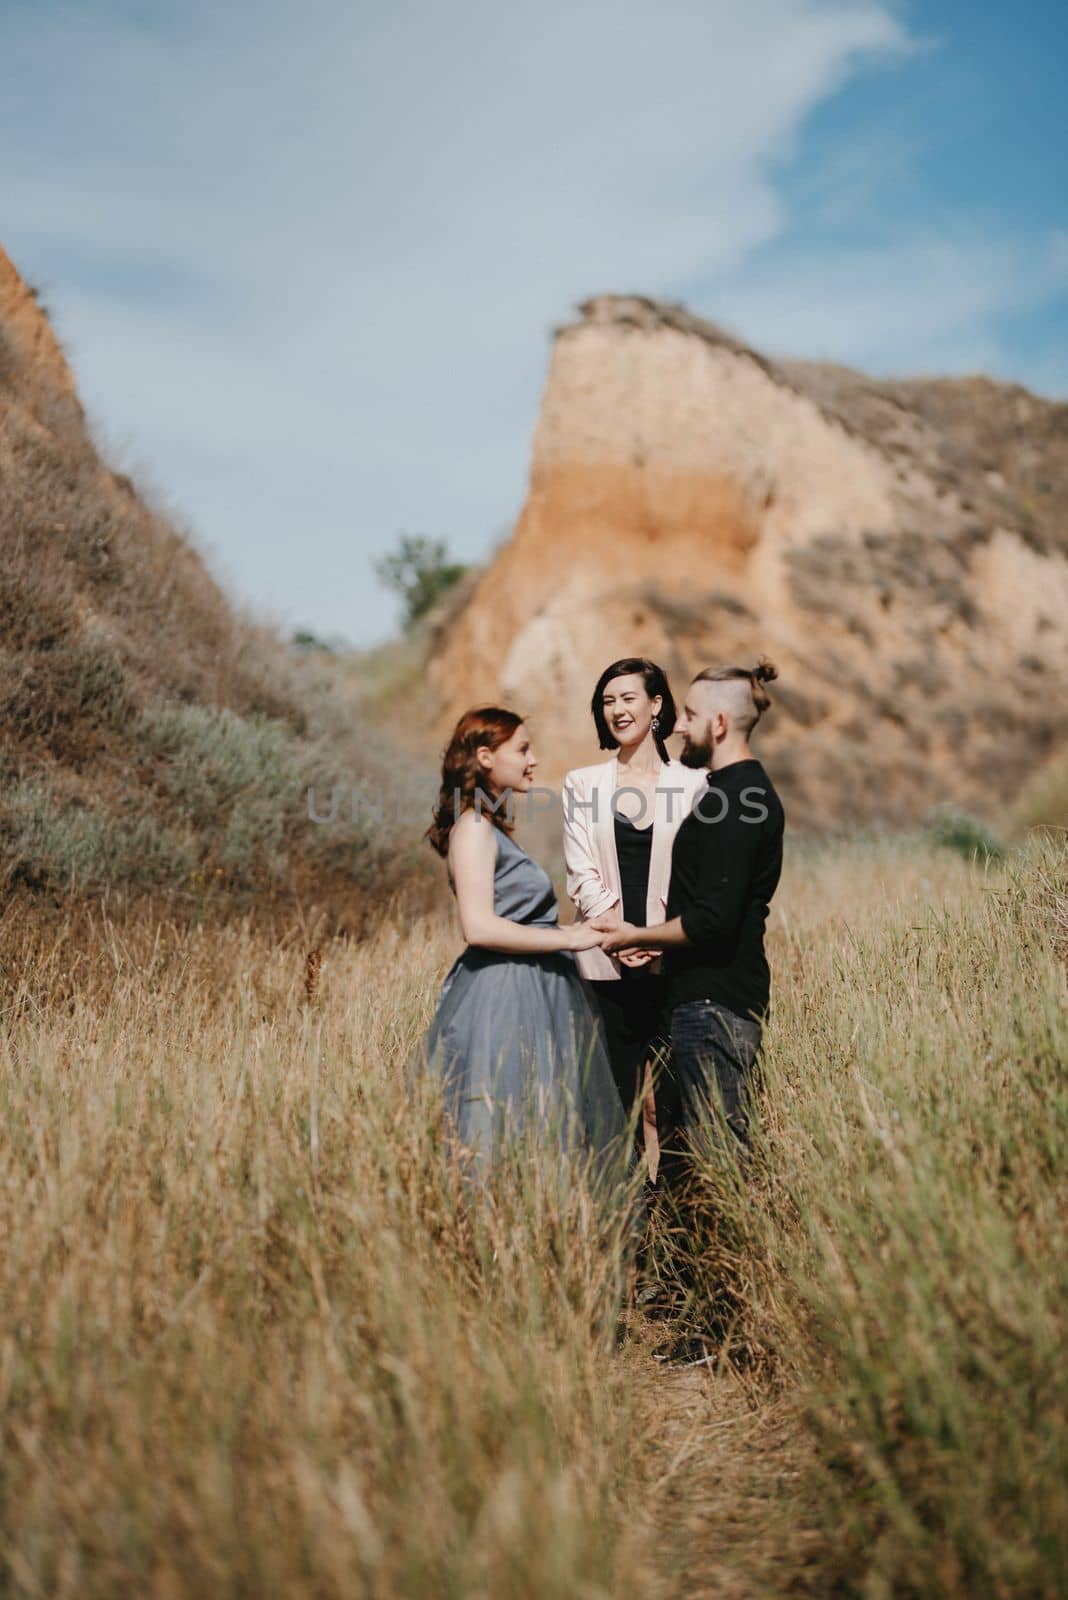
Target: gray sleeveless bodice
(522, 891)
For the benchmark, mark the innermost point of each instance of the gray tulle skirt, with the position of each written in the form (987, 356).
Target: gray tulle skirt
(518, 1043)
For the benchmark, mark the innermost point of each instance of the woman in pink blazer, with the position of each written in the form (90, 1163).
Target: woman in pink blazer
(620, 821)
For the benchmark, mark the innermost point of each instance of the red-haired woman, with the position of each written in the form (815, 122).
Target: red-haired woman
(516, 1034)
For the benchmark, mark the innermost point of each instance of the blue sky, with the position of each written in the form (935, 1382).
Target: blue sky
(306, 260)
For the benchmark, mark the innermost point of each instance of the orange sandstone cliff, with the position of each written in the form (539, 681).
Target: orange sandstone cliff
(900, 549)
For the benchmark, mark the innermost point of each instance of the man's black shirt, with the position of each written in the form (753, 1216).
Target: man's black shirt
(725, 866)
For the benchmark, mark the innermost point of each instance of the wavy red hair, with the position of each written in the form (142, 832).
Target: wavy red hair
(462, 777)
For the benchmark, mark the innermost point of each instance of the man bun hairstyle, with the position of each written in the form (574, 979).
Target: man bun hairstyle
(764, 672)
(756, 677)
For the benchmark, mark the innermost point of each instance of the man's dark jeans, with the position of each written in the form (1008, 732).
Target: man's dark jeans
(713, 1056)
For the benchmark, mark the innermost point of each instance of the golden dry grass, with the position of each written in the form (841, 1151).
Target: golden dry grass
(257, 1339)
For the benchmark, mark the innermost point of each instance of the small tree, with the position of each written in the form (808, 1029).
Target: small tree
(420, 572)
(304, 639)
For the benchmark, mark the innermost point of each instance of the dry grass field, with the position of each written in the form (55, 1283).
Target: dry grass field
(257, 1340)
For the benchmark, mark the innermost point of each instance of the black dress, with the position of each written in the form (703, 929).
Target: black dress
(632, 1006)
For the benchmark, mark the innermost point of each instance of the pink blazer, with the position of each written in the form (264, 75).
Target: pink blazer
(590, 845)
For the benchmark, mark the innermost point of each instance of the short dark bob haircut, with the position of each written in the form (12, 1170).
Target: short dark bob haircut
(655, 680)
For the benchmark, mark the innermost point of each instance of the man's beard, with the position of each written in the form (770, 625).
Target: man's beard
(696, 753)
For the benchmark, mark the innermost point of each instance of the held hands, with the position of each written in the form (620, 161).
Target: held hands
(636, 958)
(609, 933)
(582, 936)
(618, 937)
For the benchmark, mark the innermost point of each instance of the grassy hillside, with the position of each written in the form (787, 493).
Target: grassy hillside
(157, 744)
(255, 1340)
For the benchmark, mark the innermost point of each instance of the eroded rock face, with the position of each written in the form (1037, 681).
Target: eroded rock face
(887, 545)
(29, 347)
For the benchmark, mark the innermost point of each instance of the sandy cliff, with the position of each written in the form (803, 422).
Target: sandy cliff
(900, 550)
(29, 348)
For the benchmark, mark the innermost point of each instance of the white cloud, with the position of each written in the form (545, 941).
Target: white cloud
(306, 262)
(920, 303)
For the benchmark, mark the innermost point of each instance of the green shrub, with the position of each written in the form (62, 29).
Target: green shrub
(237, 778)
(75, 849)
(957, 830)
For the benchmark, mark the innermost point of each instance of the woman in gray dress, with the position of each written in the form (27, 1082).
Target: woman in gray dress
(516, 1035)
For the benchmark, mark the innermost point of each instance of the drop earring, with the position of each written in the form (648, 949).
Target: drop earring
(656, 724)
